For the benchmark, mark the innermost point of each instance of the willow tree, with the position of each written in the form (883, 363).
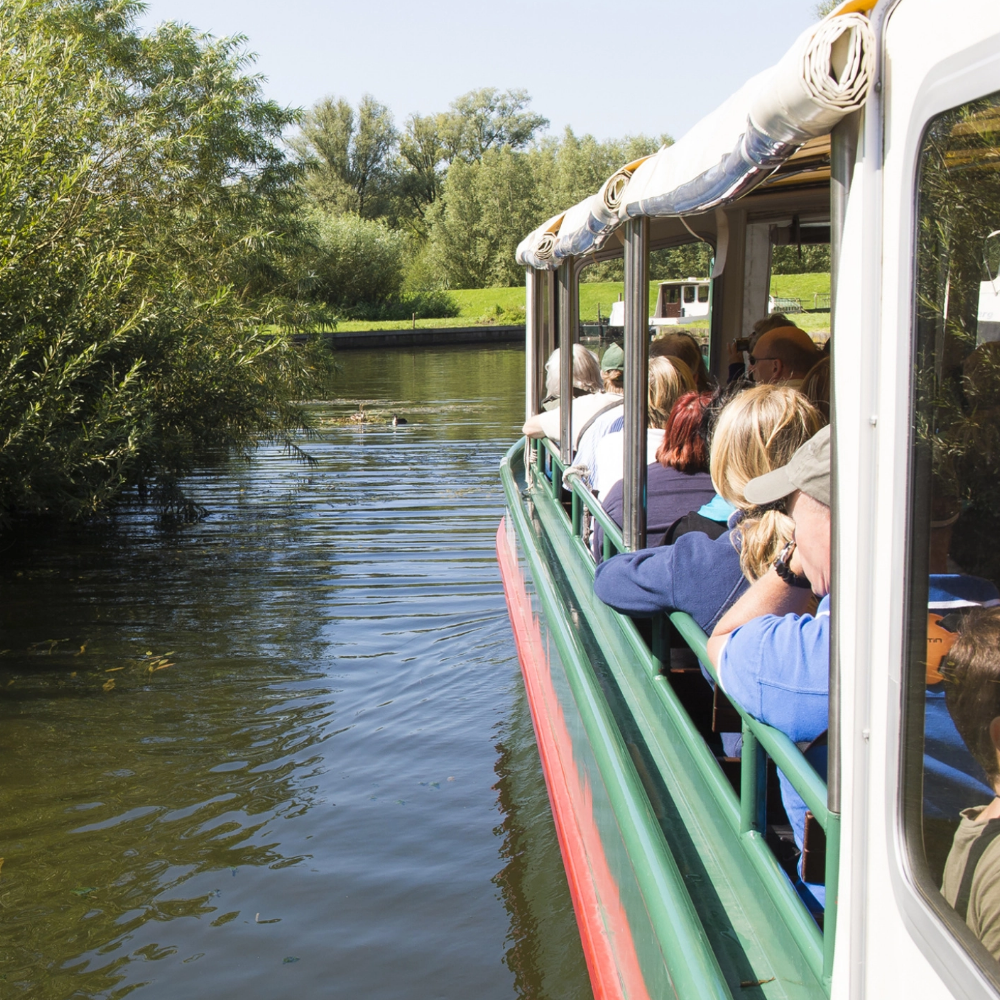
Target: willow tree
(147, 217)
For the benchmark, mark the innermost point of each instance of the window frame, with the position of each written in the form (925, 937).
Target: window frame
(962, 78)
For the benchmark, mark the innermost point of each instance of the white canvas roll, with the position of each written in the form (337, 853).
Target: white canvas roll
(824, 76)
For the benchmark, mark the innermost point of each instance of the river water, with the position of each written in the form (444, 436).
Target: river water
(285, 751)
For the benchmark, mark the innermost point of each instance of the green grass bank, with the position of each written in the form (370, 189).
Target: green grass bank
(475, 303)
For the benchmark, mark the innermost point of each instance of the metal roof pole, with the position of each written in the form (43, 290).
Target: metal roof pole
(843, 154)
(550, 339)
(636, 374)
(534, 358)
(568, 331)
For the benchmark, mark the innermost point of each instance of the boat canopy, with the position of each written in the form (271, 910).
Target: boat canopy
(825, 76)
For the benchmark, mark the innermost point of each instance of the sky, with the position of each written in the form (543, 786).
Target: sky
(611, 69)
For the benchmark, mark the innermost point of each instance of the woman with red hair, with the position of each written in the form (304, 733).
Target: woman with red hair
(678, 481)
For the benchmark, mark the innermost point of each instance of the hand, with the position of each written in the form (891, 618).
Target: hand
(735, 356)
(795, 563)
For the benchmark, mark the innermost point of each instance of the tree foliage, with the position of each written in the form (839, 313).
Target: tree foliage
(469, 183)
(149, 220)
(489, 119)
(350, 156)
(487, 206)
(357, 260)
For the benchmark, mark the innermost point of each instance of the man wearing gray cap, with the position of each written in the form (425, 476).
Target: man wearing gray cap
(772, 657)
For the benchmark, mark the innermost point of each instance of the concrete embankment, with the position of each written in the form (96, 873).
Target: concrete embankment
(421, 337)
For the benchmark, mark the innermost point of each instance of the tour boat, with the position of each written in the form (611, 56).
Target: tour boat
(878, 131)
(678, 301)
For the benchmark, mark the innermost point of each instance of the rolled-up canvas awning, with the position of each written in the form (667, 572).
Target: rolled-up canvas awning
(825, 76)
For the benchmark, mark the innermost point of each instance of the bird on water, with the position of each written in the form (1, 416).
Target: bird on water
(398, 420)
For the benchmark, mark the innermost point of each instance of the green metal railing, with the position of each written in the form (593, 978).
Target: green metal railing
(759, 739)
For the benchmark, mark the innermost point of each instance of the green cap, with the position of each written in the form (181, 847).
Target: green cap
(807, 470)
(613, 360)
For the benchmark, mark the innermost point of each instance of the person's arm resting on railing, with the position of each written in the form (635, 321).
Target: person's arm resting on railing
(773, 659)
(696, 574)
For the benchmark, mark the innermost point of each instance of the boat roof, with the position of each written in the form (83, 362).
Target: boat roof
(769, 139)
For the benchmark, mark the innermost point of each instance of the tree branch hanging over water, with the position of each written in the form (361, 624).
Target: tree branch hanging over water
(149, 222)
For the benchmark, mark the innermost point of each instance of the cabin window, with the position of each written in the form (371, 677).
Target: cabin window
(673, 294)
(951, 770)
(703, 293)
(689, 293)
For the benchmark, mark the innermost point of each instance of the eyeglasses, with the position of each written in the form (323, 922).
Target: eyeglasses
(754, 360)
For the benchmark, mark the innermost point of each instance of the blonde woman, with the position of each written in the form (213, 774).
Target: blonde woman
(758, 430)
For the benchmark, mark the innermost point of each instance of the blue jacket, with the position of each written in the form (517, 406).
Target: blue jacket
(669, 496)
(697, 574)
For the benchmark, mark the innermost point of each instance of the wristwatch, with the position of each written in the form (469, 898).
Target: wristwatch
(781, 568)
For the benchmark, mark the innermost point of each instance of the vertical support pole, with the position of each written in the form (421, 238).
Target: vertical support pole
(753, 785)
(756, 274)
(661, 642)
(832, 893)
(568, 331)
(534, 361)
(551, 313)
(636, 375)
(843, 153)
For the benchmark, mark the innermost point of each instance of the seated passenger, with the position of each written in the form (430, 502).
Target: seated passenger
(588, 404)
(772, 656)
(608, 421)
(669, 378)
(586, 375)
(680, 344)
(678, 481)
(738, 370)
(757, 431)
(972, 872)
(783, 356)
(952, 778)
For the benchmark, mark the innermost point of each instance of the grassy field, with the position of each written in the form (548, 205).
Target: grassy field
(475, 303)
(352, 325)
(800, 286)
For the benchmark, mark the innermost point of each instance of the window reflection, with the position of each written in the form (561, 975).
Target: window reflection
(952, 769)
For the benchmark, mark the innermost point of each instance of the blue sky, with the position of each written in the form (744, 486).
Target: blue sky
(606, 68)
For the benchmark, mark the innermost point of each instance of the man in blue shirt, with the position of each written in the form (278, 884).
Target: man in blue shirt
(772, 657)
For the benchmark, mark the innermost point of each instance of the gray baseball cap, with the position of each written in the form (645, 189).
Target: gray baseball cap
(807, 470)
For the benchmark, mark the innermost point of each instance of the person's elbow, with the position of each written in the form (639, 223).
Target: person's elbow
(716, 644)
(532, 429)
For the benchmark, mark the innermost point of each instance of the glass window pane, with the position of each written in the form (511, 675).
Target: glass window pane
(689, 293)
(952, 766)
(703, 293)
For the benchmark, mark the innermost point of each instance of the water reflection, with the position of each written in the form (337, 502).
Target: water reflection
(302, 795)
